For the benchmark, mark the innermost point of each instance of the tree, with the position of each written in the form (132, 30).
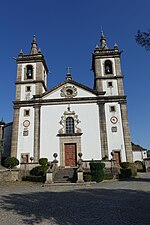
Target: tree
(143, 39)
(11, 162)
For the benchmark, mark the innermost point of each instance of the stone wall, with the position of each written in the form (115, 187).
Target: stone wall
(10, 175)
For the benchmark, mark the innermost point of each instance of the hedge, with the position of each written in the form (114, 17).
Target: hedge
(97, 171)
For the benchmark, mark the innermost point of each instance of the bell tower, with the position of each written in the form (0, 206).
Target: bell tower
(31, 73)
(107, 69)
(108, 79)
(31, 81)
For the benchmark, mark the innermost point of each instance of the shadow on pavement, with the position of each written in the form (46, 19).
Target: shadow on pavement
(142, 178)
(80, 206)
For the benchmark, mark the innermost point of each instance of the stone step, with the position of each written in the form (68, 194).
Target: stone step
(65, 175)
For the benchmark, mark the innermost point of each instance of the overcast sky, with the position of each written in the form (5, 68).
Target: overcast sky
(67, 32)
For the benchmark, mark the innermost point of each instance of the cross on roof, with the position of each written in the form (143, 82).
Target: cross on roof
(68, 69)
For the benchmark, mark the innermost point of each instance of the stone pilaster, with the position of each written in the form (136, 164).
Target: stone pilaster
(19, 72)
(120, 87)
(14, 141)
(19, 78)
(98, 74)
(119, 79)
(126, 132)
(103, 133)
(36, 133)
(39, 74)
(18, 92)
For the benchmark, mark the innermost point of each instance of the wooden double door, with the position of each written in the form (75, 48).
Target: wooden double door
(117, 157)
(70, 154)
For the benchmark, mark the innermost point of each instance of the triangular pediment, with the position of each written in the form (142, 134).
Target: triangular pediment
(69, 89)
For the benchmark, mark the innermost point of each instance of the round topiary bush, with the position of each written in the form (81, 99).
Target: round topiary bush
(11, 162)
(39, 171)
(124, 165)
(43, 161)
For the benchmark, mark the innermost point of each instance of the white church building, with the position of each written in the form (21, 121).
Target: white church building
(70, 118)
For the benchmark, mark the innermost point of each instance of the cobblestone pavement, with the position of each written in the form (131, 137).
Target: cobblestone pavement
(106, 203)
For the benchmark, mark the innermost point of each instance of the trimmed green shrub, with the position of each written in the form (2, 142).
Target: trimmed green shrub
(11, 162)
(87, 177)
(39, 171)
(43, 161)
(96, 166)
(97, 171)
(124, 165)
(140, 166)
(98, 175)
(34, 178)
(125, 173)
(108, 176)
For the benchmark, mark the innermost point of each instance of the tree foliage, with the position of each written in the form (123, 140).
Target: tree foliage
(143, 39)
(11, 162)
(43, 161)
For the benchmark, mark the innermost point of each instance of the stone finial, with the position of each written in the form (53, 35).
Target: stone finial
(39, 51)
(34, 49)
(103, 42)
(20, 53)
(115, 46)
(2, 122)
(96, 48)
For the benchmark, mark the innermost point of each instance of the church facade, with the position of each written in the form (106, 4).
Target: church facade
(70, 118)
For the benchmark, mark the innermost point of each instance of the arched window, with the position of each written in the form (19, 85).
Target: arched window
(108, 67)
(29, 72)
(69, 125)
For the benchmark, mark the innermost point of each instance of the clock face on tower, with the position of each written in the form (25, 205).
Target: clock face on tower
(26, 123)
(113, 120)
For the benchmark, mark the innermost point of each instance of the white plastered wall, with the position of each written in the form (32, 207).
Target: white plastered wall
(27, 95)
(139, 155)
(80, 93)
(115, 139)
(110, 91)
(25, 143)
(90, 139)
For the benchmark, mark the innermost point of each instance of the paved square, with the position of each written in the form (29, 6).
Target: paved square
(106, 203)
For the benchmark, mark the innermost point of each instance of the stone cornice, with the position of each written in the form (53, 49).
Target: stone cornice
(69, 135)
(106, 77)
(106, 52)
(32, 82)
(83, 100)
(32, 59)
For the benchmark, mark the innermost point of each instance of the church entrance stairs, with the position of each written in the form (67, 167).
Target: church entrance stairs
(65, 175)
